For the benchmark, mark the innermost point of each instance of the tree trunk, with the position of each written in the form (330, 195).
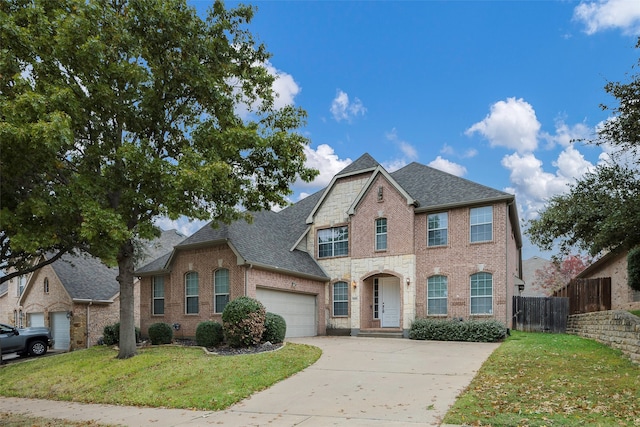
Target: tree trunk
(127, 319)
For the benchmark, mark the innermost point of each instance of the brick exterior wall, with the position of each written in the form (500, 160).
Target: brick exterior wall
(205, 261)
(622, 296)
(617, 329)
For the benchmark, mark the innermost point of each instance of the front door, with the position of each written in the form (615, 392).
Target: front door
(390, 302)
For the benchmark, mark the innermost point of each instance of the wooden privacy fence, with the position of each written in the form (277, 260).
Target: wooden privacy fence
(587, 295)
(540, 314)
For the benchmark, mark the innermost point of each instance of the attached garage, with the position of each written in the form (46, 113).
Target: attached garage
(61, 330)
(298, 310)
(35, 319)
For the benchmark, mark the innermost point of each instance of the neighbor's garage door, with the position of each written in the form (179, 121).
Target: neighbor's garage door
(298, 310)
(61, 330)
(35, 319)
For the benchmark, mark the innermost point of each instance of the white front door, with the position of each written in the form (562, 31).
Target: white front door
(61, 330)
(390, 296)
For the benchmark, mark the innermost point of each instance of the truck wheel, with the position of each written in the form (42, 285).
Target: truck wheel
(37, 348)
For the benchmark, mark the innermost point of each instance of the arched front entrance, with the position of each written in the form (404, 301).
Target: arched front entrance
(382, 303)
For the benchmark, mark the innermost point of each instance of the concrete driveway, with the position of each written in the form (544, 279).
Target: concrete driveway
(356, 382)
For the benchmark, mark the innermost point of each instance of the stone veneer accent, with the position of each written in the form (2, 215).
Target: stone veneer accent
(615, 328)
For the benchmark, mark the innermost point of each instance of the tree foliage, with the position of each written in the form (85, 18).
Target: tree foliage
(114, 113)
(559, 272)
(601, 210)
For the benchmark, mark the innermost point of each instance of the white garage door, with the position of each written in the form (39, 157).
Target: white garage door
(60, 330)
(35, 319)
(298, 310)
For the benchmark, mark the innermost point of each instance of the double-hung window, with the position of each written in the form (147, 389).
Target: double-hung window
(481, 224)
(191, 293)
(220, 289)
(381, 234)
(340, 299)
(437, 229)
(333, 242)
(482, 293)
(158, 294)
(437, 295)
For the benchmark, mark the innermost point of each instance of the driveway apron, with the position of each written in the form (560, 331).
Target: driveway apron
(356, 382)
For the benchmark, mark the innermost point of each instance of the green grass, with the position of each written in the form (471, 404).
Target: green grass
(167, 376)
(18, 420)
(635, 312)
(536, 379)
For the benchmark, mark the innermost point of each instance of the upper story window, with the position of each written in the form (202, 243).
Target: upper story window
(46, 285)
(220, 289)
(437, 295)
(22, 282)
(157, 295)
(191, 292)
(482, 293)
(333, 242)
(381, 234)
(437, 229)
(481, 224)
(340, 299)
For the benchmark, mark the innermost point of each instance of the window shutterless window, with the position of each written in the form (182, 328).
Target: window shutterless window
(191, 293)
(333, 242)
(482, 293)
(46, 285)
(340, 299)
(437, 229)
(481, 224)
(437, 295)
(157, 285)
(381, 234)
(220, 289)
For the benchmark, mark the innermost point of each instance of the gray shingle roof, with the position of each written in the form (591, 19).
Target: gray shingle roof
(433, 188)
(268, 240)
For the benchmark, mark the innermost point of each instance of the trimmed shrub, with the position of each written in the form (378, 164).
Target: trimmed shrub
(633, 268)
(456, 330)
(275, 328)
(160, 333)
(209, 334)
(111, 334)
(243, 322)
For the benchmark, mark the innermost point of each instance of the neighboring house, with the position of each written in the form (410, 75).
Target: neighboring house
(75, 296)
(371, 252)
(614, 265)
(532, 286)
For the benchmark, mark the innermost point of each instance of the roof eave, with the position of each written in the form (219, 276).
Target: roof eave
(286, 271)
(505, 198)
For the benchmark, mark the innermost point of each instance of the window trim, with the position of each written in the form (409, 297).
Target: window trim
(344, 301)
(446, 228)
(484, 296)
(380, 234)
(216, 293)
(333, 242)
(478, 224)
(187, 296)
(439, 298)
(154, 298)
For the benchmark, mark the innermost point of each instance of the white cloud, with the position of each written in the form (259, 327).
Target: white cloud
(533, 186)
(566, 134)
(409, 152)
(607, 14)
(344, 109)
(511, 124)
(450, 151)
(326, 161)
(448, 166)
(183, 225)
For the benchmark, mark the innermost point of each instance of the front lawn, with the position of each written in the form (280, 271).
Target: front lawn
(536, 379)
(164, 376)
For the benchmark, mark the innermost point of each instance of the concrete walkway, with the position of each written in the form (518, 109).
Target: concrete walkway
(356, 382)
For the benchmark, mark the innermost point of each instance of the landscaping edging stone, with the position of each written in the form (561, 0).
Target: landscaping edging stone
(615, 328)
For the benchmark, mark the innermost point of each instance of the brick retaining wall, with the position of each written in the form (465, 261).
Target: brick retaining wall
(615, 328)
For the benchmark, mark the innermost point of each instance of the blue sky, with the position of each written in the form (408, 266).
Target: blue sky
(493, 91)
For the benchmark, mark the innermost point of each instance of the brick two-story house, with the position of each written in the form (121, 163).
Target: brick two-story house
(371, 252)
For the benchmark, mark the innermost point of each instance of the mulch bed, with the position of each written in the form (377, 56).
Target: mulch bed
(225, 350)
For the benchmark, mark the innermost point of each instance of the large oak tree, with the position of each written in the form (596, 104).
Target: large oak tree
(114, 113)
